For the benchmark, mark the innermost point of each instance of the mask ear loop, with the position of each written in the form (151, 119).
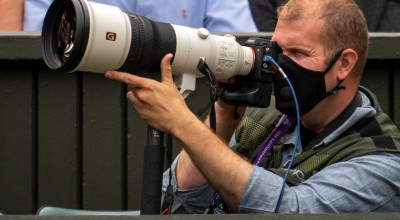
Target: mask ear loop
(333, 61)
(335, 90)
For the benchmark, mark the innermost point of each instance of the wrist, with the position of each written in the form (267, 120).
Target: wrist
(188, 123)
(234, 111)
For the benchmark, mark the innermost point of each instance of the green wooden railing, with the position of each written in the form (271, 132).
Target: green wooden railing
(72, 140)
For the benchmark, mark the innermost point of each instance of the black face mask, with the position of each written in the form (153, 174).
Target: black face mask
(308, 85)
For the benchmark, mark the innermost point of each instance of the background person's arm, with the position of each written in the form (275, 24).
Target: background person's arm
(11, 15)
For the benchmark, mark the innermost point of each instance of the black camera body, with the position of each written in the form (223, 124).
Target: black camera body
(254, 89)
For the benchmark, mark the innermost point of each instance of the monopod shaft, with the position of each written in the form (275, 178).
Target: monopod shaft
(153, 166)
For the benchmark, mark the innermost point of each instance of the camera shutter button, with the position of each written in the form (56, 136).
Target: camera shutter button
(203, 33)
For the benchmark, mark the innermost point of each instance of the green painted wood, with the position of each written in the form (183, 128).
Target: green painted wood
(26, 45)
(136, 141)
(102, 138)
(17, 138)
(384, 46)
(72, 139)
(20, 45)
(382, 78)
(396, 93)
(376, 78)
(58, 144)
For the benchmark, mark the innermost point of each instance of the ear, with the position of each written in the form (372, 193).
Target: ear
(346, 63)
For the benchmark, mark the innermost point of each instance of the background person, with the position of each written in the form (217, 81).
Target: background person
(11, 15)
(215, 15)
(381, 16)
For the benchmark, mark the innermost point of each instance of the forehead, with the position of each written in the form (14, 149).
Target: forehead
(302, 33)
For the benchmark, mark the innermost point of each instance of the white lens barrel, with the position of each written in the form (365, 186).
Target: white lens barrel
(109, 39)
(224, 56)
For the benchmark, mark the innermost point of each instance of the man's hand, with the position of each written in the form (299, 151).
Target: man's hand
(158, 103)
(206, 157)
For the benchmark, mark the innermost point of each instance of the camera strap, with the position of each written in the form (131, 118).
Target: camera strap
(169, 194)
(203, 68)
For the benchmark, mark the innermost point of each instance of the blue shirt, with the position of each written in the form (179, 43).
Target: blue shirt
(215, 15)
(362, 184)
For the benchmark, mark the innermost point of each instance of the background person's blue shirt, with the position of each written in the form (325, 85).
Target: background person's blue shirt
(215, 15)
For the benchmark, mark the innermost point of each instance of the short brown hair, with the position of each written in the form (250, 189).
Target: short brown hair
(344, 25)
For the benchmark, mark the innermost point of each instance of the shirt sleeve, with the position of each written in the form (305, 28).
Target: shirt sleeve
(229, 16)
(34, 13)
(193, 201)
(362, 184)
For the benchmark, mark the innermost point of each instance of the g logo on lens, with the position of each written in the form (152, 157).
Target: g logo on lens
(111, 36)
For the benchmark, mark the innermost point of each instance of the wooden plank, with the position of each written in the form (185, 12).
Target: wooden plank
(112, 156)
(136, 137)
(102, 143)
(20, 45)
(384, 46)
(26, 45)
(58, 154)
(396, 93)
(376, 78)
(17, 138)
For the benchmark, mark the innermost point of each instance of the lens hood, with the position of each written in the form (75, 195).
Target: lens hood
(51, 54)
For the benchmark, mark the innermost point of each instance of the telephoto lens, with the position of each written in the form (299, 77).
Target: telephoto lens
(80, 35)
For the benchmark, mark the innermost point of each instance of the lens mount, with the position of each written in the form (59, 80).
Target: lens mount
(54, 55)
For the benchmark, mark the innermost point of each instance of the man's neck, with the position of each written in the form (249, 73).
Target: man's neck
(326, 111)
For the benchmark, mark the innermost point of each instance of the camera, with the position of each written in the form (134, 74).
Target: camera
(79, 35)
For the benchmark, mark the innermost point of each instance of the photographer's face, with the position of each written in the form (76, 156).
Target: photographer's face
(299, 41)
(305, 64)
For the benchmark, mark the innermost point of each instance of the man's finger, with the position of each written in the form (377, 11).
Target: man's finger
(230, 36)
(166, 69)
(127, 78)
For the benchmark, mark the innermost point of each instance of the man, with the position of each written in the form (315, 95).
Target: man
(216, 16)
(348, 159)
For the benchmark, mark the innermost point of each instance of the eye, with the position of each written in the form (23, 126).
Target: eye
(298, 53)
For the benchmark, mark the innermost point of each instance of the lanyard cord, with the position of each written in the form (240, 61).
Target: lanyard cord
(218, 206)
(276, 135)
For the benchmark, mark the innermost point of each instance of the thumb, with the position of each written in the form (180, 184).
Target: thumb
(166, 69)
